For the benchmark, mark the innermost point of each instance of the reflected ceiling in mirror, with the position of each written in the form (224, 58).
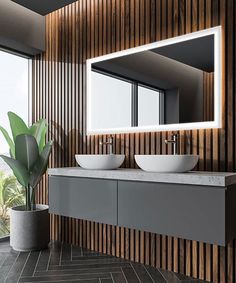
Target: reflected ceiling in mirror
(172, 84)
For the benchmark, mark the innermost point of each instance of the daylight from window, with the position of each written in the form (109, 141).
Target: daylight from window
(14, 93)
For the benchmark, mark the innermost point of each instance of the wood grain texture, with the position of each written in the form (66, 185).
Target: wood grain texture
(88, 28)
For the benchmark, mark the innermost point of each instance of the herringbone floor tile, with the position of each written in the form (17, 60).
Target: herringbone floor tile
(66, 263)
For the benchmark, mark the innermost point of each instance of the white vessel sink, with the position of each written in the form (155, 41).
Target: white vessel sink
(166, 163)
(100, 161)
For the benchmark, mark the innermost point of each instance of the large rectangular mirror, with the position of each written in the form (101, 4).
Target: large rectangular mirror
(171, 84)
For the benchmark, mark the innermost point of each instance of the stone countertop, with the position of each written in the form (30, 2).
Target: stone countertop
(218, 179)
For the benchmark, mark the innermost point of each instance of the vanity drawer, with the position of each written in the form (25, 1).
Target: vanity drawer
(83, 198)
(184, 211)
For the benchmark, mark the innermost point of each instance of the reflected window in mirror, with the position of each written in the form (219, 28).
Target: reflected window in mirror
(112, 107)
(150, 101)
(123, 102)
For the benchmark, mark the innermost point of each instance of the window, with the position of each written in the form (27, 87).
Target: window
(14, 93)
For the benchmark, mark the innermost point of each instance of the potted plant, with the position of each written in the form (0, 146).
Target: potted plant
(29, 224)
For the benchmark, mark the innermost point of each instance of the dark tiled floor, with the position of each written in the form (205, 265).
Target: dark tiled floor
(66, 263)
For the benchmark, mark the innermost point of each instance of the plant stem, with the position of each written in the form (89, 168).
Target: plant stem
(33, 199)
(27, 196)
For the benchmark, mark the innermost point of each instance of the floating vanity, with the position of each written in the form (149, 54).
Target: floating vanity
(196, 206)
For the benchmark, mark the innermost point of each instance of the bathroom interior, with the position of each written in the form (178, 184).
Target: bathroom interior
(136, 99)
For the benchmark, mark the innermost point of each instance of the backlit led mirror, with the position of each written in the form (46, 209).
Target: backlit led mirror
(172, 84)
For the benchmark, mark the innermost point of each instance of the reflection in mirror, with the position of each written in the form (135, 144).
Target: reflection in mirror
(149, 110)
(158, 86)
(112, 107)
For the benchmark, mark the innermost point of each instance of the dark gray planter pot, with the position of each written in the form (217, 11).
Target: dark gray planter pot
(29, 229)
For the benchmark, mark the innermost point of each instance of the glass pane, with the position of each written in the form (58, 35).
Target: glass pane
(148, 106)
(111, 102)
(14, 89)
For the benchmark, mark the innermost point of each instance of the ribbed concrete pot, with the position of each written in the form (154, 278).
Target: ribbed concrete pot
(29, 229)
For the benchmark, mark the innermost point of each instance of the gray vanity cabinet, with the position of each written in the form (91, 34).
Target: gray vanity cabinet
(89, 199)
(185, 211)
(195, 212)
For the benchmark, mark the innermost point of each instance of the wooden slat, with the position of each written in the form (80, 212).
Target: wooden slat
(88, 28)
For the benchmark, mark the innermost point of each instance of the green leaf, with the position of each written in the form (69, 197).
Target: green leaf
(41, 165)
(39, 130)
(21, 173)
(18, 126)
(27, 151)
(9, 141)
(43, 139)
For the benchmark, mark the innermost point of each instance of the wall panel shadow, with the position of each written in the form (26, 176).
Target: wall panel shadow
(88, 28)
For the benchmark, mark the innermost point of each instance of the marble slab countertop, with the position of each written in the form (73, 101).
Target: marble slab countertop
(218, 179)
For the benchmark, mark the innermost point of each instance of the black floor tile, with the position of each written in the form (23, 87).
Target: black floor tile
(142, 273)
(86, 252)
(76, 251)
(2, 258)
(103, 260)
(16, 269)
(155, 274)
(55, 254)
(66, 263)
(108, 280)
(118, 278)
(43, 261)
(182, 277)
(5, 247)
(7, 265)
(77, 271)
(89, 257)
(130, 275)
(65, 278)
(88, 266)
(66, 253)
(30, 264)
(170, 276)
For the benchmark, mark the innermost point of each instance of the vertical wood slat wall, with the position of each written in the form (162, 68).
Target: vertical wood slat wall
(89, 28)
(208, 96)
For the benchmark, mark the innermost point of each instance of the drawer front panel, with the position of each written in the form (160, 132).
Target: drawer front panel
(82, 198)
(184, 211)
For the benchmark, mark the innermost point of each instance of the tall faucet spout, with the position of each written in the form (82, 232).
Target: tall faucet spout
(109, 143)
(175, 142)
